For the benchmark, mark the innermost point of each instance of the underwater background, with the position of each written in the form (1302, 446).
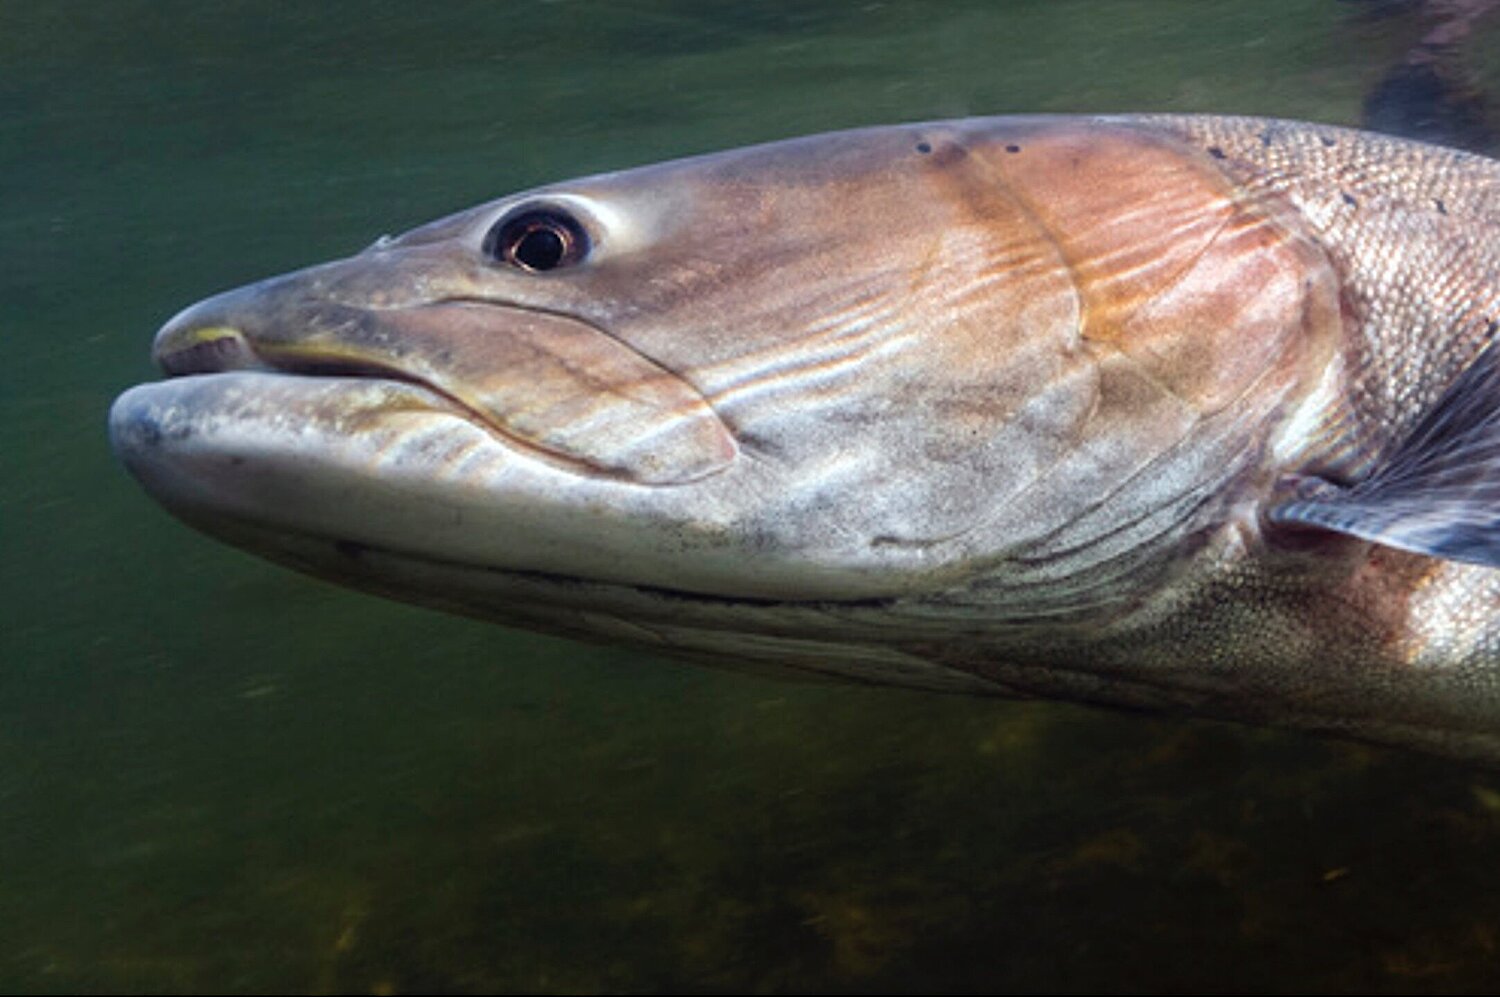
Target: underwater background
(216, 775)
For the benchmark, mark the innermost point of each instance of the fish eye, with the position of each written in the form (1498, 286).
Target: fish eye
(537, 240)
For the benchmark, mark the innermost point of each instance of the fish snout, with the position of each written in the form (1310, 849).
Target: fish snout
(555, 385)
(243, 329)
(205, 338)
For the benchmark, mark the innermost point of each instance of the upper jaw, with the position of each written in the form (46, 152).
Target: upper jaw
(547, 382)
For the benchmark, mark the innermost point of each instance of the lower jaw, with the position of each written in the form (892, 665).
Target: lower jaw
(820, 640)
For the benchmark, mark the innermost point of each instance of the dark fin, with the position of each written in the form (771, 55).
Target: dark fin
(1437, 493)
(1432, 103)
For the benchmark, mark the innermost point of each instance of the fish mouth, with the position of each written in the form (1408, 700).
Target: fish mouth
(548, 385)
(222, 349)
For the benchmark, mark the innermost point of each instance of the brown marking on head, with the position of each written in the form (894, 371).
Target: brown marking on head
(1174, 264)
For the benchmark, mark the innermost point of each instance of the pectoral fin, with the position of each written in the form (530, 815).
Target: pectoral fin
(1437, 493)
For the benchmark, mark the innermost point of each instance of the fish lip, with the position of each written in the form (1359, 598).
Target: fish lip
(665, 430)
(217, 348)
(228, 352)
(222, 350)
(140, 415)
(185, 350)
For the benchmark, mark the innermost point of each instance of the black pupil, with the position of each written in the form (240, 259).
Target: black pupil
(540, 246)
(542, 239)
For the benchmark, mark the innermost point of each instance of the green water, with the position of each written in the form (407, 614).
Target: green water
(215, 775)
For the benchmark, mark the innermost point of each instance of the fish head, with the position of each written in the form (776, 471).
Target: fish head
(873, 365)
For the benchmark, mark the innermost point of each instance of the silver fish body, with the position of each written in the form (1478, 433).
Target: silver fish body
(1179, 413)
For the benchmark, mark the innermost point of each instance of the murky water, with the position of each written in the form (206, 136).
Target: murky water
(215, 775)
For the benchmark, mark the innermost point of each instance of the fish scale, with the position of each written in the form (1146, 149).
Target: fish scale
(1418, 250)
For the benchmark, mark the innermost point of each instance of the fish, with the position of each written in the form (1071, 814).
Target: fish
(1186, 414)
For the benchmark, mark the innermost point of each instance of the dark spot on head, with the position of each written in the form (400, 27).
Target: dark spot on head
(236, 460)
(145, 430)
(1491, 326)
(349, 549)
(1012, 149)
(924, 147)
(1349, 199)
(1442, 208)
(946, 152)
(1266, 137)
(1216, 152)
(1328, 140)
